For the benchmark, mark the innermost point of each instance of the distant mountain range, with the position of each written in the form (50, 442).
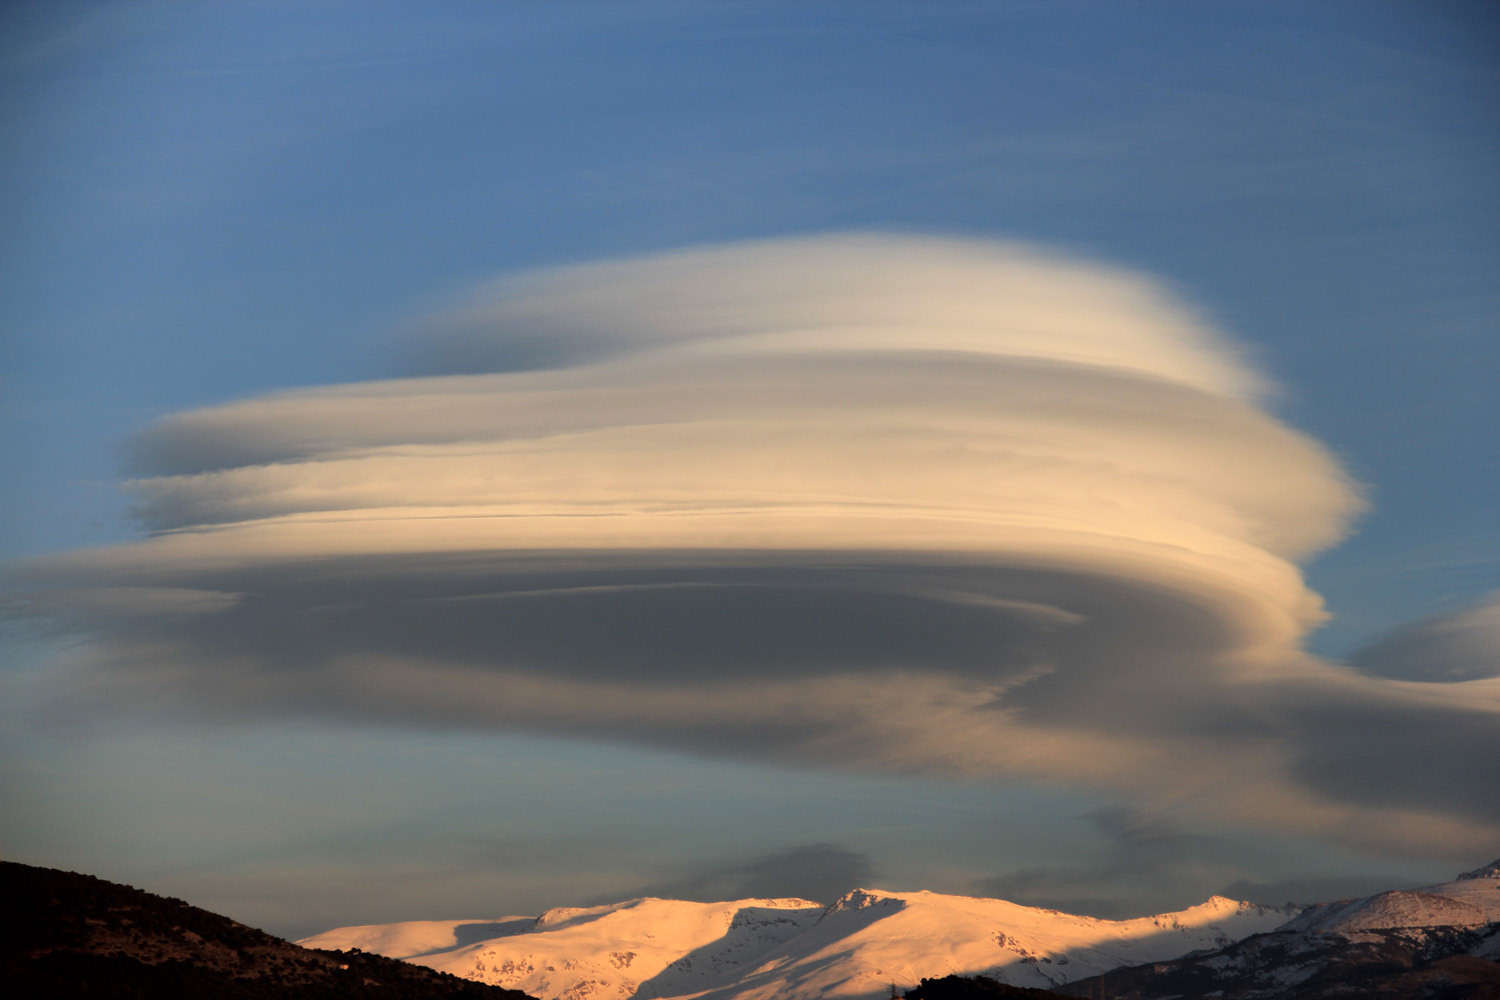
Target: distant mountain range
(65, 936)
(1441, 942)
(791, 949)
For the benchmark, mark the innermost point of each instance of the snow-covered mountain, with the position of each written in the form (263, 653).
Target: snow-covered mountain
(1438, 941)
(1469, 901)
(757, 949)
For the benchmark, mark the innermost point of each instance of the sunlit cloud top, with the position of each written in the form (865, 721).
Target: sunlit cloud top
(846, 392)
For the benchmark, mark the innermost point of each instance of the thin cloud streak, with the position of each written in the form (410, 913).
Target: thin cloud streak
(872, 502)
(1462, 646)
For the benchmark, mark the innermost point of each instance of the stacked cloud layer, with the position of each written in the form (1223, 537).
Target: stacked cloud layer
(878, 502)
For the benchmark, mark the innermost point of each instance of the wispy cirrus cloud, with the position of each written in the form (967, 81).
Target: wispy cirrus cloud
(857, 501)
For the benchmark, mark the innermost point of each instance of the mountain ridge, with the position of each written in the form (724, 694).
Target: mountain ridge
(70, 935)
(859, 946)
(1441, 942)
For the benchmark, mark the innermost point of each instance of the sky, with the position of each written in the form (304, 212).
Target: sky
(464, 459)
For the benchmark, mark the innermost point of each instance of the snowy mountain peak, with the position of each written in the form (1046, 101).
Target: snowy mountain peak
(793, 949)
(561, 916)
(1394, 910)
(1438, 941)
(1470, 900)
(862, 899)
(1216, 907)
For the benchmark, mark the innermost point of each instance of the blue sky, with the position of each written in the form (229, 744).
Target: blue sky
(205, 203)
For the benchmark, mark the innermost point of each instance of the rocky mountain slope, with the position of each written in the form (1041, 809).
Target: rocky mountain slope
(1440, 942)
(65, 935)
(792, 949)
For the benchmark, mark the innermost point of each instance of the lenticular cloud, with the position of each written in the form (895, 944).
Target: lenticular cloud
(844, 395)
(896, 503)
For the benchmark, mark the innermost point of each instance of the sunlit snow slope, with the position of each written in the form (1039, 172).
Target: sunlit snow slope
(1440, 941)
(1471, 900)
(757, 949)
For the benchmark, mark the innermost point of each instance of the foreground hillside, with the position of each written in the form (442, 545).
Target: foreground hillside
(64, 935)
(793, 949)
(1441, 942)
(974, 988)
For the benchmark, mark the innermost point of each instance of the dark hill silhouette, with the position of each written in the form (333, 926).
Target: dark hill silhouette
(974, 988)
(65, 935)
